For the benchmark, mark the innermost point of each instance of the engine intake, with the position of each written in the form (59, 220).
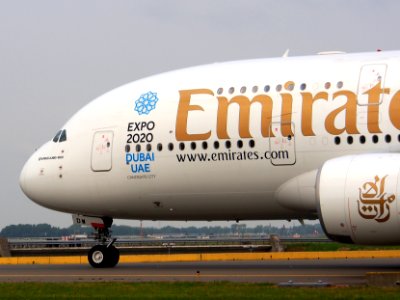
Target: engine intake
(357, 198)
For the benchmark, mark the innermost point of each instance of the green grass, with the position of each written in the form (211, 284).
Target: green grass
(317, 246)
(186, 290)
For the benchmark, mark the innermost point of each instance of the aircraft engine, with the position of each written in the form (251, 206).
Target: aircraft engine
(358, 198)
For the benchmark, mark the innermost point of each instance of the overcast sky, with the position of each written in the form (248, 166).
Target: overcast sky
(56, 56)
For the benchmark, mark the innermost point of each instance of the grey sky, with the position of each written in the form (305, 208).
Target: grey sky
(55, 56)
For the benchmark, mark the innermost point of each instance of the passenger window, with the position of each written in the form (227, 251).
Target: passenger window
(350, 140)
(289, 85)
(63, 136)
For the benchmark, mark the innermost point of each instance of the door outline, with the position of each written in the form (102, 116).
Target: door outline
(369, 76)
(276, 138)
(101, 156)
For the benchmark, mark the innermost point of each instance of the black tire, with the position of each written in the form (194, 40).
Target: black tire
(113, 256)
(98, 256)
(102, 257)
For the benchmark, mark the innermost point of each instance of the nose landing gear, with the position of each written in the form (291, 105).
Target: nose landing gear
(103, 255)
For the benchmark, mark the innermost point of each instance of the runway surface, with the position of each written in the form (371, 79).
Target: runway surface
(335, 272)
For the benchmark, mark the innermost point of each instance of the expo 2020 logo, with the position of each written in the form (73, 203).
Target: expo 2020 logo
(146, 103)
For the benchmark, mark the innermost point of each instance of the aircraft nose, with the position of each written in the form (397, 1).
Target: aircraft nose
(32, 181)
(40, 178)
(25, 179)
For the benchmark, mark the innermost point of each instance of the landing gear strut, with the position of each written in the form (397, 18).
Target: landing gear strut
(103, 255)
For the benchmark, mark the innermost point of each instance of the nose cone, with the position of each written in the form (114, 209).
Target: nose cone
(40, 178)
(33, 182)
(26, 178)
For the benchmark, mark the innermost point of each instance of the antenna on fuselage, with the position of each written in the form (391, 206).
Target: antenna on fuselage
(286, 54)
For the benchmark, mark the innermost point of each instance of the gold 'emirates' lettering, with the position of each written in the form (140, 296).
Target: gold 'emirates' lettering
(244, 115)
(307, 115)
(182, 116)
(374, 96)
(394, 110)
(349, 109)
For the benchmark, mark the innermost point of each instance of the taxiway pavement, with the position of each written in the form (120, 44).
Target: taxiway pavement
(332, 271)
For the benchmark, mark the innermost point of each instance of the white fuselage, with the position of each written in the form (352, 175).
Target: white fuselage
(247, 128)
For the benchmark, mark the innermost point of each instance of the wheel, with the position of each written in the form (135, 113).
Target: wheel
(97, 256)
(102, 257)
(113, 255)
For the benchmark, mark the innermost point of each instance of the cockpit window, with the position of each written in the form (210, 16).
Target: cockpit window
(57, 137)
(61, 136)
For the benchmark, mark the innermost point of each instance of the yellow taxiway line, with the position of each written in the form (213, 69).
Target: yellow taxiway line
(149, 258)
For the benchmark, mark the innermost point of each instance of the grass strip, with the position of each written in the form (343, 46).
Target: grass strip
(186, 290)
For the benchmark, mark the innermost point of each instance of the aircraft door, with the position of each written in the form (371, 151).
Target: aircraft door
(370, 76)
(282, 150)
(102, 151)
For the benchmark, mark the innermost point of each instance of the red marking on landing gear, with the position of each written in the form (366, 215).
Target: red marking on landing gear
(98, 225)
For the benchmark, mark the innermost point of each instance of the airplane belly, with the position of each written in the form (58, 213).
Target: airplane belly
(199, 206)
(195, 192)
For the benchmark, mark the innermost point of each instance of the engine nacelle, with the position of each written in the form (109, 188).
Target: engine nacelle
(358, 199)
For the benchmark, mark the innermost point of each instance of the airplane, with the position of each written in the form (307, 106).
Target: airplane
(311, 137)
